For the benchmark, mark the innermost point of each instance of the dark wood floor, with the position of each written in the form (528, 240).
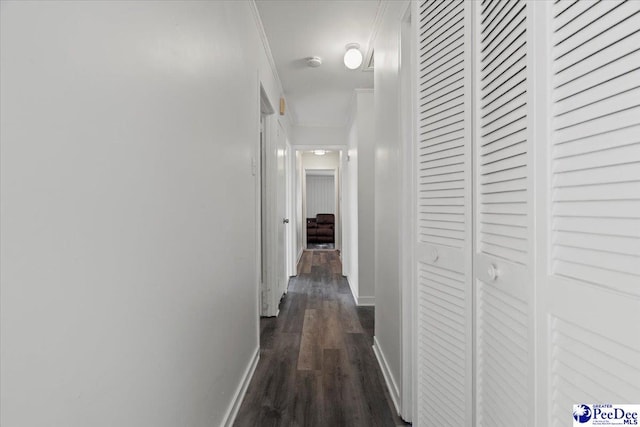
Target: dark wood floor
(317, 367)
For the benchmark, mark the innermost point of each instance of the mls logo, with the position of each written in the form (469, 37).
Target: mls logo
(582, 413)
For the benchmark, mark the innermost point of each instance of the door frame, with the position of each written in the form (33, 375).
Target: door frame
(408, 106)
(269, 289)
(291, 231)
(299, 216)
(264, 110)
(336, 200)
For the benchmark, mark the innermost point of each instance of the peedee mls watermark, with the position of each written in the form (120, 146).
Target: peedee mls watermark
(606, 414)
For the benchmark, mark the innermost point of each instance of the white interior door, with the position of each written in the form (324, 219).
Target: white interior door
(282, 221)
(273, 216)
(504, 238)
(443, 230)
(589, 210)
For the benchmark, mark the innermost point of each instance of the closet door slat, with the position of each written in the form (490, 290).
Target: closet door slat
(443, 268)
(590, 274)
(504, 317)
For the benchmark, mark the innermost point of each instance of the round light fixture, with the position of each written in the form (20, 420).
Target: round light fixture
(353, 56)
(319, 152)
(314, 61)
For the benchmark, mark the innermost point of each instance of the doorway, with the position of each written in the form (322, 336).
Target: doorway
(273, 221)
(320, 208)
(319, 198)
(260, 170)
(323, 168)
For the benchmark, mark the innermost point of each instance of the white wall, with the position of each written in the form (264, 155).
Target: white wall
(293, 227)
(387, 194)
(360, 200)
(366, 197)
(330, 160)
(298, 200)
(350, 245)
(128, 283)
(315, 136)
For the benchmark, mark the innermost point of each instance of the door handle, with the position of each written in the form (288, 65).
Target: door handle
(434, 255)
(493, 272)
(285, 220)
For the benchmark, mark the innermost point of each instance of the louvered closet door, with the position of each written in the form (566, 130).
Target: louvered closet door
(503, 259)
(443, 240)
(591, 279)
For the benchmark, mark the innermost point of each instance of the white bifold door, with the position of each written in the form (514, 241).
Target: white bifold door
(528, 210)
(443, 244)
(588, 213)
(503, 212)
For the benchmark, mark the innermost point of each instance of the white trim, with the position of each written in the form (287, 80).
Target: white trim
(238, 396)
(353, 294)
(265, 42)
(474, 90)
(392, 386)
(408, 285)
(290, 117)
(361, 301)
(542, 99)
(366, 301)
(377, 23)
(270, 285)
(291, 229)
(256, 165)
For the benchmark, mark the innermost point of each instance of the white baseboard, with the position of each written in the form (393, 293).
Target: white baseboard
(353, 294)
(232, 412)
(362, 301)
(392, 386)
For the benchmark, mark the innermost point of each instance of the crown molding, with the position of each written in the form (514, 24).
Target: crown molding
(377, 23)
(267, 49)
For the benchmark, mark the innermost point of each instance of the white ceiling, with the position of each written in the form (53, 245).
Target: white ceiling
(299, 29)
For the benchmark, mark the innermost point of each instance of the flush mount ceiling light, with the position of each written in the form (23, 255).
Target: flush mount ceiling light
(314, 61)
(353, 56)
(319, 152)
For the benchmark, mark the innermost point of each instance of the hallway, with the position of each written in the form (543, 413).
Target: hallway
(317, 367)
(480, 158)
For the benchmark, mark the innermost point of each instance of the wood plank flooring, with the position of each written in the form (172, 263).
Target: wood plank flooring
(317, 367)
